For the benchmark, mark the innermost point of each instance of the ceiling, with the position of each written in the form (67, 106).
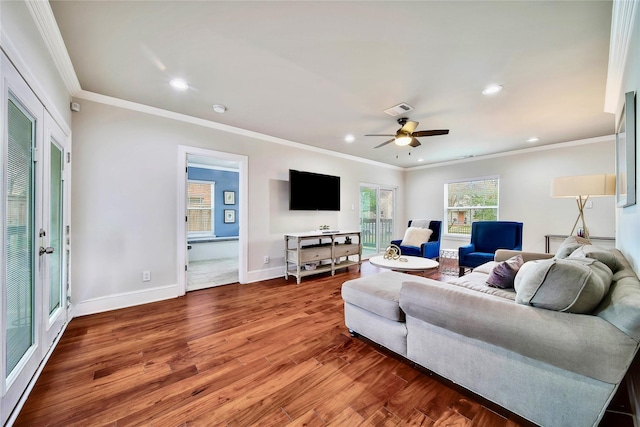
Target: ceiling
(312, 72)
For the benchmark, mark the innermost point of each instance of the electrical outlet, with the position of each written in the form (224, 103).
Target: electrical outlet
(266, 260)
(146, 276)
(589, 204)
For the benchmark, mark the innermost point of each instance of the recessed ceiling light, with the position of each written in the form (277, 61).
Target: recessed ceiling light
(492, 89)
(219, 108)
(179, 84)
(421, 160)
(533, 139)
(349, 138)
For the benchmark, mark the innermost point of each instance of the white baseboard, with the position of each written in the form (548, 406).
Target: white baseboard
(266, 274)
(123, 300)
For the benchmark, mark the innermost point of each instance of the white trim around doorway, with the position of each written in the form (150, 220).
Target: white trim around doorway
(183, 152)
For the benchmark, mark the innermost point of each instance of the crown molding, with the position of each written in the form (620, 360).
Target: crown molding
(48, 27)
(622, 19)
(134, 106)
(558, 146)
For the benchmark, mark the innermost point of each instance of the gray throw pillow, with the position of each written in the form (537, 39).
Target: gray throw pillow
(575, 285)
(596, 252)
(504, 273)
(569, 245)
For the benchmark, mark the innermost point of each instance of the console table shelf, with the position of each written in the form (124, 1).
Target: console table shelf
(327, 251)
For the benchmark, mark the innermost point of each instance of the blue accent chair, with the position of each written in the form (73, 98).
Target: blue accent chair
(430, 249)
(486, 238)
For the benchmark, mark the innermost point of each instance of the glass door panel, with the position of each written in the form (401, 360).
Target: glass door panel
(386, 217)
(55, 229)
(53, 248)
(19, 229)
(21, 290)
(368, 220)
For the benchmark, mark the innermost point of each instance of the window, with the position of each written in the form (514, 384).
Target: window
(469, 201)
(200, 208)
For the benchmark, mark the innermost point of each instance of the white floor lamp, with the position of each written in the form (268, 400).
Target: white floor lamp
(583, 187)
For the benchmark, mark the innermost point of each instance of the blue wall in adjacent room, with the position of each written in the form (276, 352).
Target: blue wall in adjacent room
(225, 181)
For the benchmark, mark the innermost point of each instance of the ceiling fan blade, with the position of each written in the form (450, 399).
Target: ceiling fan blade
(409, 126)
(431, 132)
(385, 143)
(414, 143)
(379, 134)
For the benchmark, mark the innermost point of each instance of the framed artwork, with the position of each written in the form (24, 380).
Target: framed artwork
(229, 197)
(229, 216)
(626, 154)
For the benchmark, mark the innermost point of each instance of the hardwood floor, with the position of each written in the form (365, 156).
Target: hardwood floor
(271, 353)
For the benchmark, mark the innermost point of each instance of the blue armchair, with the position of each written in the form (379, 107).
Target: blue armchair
(430, 249)
(486, 238)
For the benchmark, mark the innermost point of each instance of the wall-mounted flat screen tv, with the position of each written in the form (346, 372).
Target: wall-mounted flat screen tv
(310, 191)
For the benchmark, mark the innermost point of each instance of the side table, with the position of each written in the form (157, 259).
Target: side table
(449, 261)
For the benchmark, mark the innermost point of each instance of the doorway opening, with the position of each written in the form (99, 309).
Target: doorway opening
(212, 218)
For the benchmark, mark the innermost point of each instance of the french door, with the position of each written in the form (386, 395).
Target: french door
(35, 250)
(377, 206)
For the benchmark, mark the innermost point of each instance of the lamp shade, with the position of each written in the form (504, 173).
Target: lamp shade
(584, 185)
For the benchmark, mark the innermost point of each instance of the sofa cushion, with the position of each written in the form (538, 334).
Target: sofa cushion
(477, 281)
(415, 236)
(378, 294)
(575, 285)
(596, 252)
(504, 273)
(569, 245)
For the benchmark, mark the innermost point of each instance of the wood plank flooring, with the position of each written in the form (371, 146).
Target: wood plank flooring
(271, 353)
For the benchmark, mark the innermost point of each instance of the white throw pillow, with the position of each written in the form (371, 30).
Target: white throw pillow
(415, 236)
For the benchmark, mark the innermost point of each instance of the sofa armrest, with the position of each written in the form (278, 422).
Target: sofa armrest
(396, 242)
(504, 254)
(466, 250)
(584, 344)
(430, 249)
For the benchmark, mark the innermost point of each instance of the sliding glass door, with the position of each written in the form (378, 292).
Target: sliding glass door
(377, 206)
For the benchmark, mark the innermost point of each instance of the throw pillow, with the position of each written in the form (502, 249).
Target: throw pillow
(569, 245)
(596, 252)
(503, 274)
(415, 236)
(575, 285)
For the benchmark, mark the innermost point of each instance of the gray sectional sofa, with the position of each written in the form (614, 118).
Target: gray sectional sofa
(550, 366)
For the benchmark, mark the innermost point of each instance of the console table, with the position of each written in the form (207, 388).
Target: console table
(316, 252)
(605, 241)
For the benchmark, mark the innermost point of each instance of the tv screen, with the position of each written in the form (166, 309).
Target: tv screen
(310, 191)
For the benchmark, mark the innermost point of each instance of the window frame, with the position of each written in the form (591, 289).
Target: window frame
(202, 234)
(447, 208)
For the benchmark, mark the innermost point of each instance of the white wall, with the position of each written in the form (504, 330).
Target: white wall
(124, 198)
(628, 238)
(525, 181)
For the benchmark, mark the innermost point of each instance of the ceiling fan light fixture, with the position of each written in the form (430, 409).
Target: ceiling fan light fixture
(403, 140)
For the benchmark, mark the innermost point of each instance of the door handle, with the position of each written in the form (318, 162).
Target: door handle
(47, 250)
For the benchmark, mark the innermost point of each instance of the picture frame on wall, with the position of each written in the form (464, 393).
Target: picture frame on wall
(229, 216)
(229, 197)
(626, 153)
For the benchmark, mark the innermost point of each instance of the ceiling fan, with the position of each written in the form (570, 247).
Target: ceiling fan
(407, 134)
